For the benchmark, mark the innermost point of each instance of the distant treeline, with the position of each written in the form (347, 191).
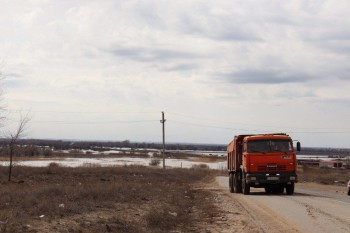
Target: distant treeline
(324, 151)
(105, 145)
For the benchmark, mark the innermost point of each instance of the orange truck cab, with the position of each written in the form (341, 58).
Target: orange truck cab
(262, 161)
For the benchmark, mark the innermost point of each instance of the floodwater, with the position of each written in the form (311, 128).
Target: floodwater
(127, 161)
(109, 162)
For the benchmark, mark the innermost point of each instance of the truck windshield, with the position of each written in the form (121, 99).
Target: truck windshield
(264, 146)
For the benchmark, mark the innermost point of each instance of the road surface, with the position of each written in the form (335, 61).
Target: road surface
(311, 209)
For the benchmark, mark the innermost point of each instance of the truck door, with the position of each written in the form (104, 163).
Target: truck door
(244, 155)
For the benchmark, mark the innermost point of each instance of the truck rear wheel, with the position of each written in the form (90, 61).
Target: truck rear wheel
(237, 183)
(231, 183)
(234, 184)
(290, 189)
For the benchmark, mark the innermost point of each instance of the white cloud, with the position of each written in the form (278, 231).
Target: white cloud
(259, 65)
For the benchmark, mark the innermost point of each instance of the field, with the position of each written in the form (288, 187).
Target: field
(97, 199)
(326, 176)
(93, 198)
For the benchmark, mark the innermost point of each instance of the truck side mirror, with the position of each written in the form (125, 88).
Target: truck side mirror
(298, 146)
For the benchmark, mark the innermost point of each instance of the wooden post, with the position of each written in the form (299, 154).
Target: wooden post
(163, 124)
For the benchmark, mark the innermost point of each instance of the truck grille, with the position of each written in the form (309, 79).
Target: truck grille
(271, 167)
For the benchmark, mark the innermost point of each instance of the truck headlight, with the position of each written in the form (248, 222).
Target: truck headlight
(292, 178)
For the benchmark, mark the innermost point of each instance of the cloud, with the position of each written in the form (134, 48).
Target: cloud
(13, 80)
(223, 28)
(180, 67)
(261, 76)
(151, 54)
(203, 58)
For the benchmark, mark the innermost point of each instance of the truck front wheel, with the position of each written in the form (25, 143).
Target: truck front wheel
(290, 189)
(279, 189)
(245, 188)
(268, 190)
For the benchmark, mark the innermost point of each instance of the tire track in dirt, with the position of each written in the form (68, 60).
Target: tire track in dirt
(267, 219)
(320, 216)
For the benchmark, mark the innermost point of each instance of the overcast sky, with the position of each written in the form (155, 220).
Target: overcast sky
(106, 69)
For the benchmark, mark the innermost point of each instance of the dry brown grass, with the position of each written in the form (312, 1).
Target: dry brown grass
(208, 159)
(177, 155)
(77, 154)
(26, 158)
(96, 199)
(324, 175)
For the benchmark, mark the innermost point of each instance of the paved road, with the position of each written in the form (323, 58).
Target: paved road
(318, 193)
(307, 211)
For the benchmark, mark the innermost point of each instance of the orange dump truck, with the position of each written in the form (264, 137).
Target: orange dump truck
(262, 161)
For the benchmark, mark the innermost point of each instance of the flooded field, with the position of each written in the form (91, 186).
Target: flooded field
(109, 162)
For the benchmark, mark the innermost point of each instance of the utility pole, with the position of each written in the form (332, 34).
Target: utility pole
(163, 123)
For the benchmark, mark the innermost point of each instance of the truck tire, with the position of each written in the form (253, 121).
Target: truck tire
(278, 189)
(268, 190)
(245, 188)
(238, 183)
(290, 189)
(231, 183)
(234, 184)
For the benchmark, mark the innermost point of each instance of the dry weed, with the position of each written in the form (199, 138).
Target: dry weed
(324, 175)
(97, 199)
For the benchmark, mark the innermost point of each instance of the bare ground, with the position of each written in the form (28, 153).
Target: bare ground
(140, 199)
(118, 199)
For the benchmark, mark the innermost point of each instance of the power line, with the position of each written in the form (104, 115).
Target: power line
(92, 122)
(240, 123)
(179, 122)
(253, 130)
(83, 112)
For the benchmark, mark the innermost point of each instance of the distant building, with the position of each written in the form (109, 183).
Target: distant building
(334, 163)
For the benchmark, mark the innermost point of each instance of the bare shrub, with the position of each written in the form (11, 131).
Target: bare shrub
(200, 166)
(52, 168)
(162, 219)
(53, 165)
(154, 162)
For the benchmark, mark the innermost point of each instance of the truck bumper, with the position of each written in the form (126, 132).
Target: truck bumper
(263, 179)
